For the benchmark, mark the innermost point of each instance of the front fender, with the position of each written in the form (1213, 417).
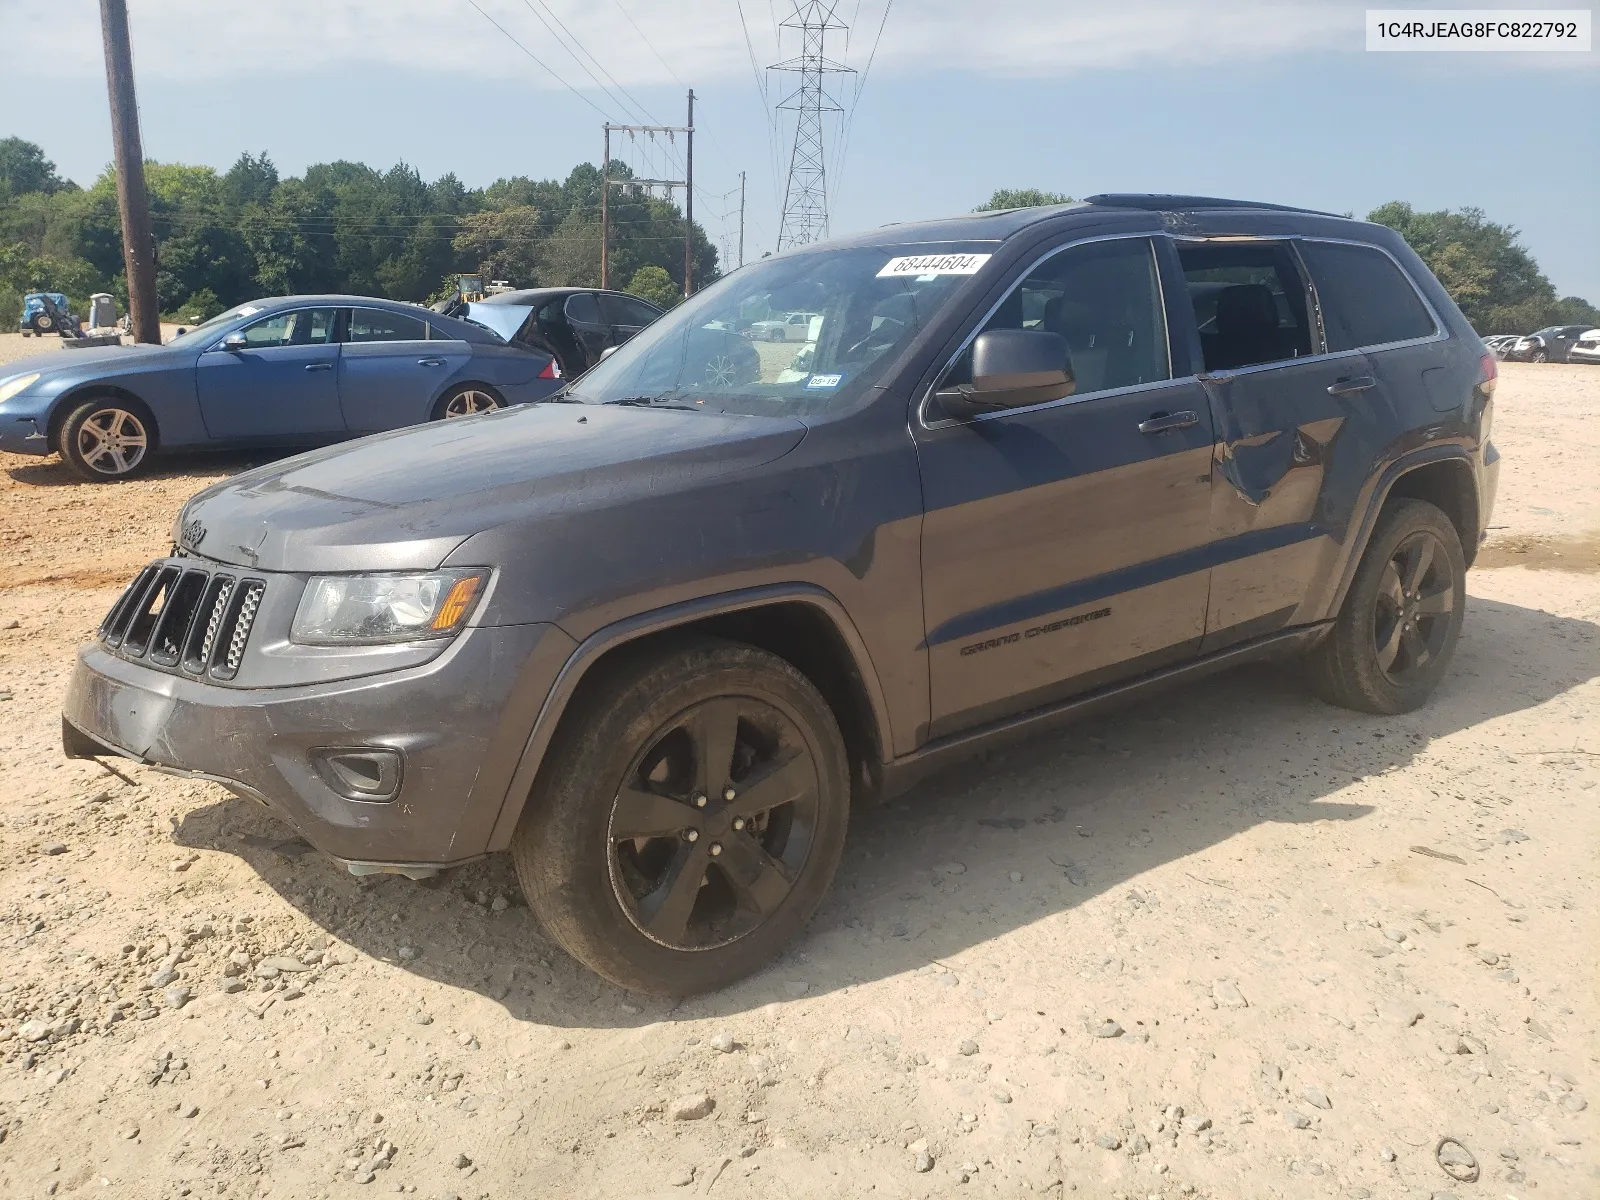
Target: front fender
(592, 649)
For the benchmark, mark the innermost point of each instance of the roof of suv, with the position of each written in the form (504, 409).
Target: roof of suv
(998, 224)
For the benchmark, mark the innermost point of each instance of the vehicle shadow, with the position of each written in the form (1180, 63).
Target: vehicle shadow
(1078, 813)
(52, 472)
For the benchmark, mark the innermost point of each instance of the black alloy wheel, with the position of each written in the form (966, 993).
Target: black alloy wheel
(713, 824)
(1414, 607)
(688, 816)
(1394, 636)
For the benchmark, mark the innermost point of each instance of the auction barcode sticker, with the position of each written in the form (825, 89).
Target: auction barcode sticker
(929, 265)
(1541, 30)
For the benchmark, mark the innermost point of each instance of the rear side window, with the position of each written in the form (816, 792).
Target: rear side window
(625, 310)
(379, 325)
(1248, 301)
(1366, 299)
(582, 309)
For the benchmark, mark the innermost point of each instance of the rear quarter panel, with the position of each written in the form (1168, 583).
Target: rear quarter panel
(514, 372)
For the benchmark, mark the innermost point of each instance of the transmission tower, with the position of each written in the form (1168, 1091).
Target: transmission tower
(805, 196)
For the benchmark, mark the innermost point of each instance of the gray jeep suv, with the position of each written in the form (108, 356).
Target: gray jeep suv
(656, 635)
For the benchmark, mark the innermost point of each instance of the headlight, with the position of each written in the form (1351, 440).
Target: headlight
(11, 387)
(345, 610)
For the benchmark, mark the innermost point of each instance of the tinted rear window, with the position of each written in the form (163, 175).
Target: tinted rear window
(1366, 299)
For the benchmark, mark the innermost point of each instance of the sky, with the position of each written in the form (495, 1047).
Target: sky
(1262, 99)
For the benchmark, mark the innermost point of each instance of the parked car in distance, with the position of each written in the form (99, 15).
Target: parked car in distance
(1546, 345)
(791, 327)
(575, 325)
(658, 638)
(1586, 349)
(1498, 344)
(292, 371)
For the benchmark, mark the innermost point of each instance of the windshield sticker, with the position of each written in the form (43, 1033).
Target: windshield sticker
(931, 266)
(824, 381)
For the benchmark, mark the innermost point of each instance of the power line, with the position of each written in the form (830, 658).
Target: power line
(544, 65)
(638, 109)
(855, 103)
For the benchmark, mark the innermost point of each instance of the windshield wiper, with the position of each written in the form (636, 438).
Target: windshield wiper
(651, 402)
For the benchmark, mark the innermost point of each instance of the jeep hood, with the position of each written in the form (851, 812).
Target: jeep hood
(403, 500)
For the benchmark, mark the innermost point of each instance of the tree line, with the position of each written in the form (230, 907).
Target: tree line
(224, 237)
(1481, 263)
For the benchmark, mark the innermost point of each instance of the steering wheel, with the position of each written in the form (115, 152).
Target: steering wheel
(881, 338)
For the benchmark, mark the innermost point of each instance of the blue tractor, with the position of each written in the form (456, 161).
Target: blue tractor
(45, 313)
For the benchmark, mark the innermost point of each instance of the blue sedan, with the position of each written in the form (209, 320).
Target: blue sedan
(292, 372)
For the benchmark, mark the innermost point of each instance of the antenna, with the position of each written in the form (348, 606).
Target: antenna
(805, 196)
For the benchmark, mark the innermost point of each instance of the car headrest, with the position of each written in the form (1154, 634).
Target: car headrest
(1246, 308)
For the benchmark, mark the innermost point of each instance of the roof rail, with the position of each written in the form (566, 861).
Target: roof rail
(1159, 202)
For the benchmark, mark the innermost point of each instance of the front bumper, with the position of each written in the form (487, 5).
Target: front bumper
(24, 433)
(459, 724)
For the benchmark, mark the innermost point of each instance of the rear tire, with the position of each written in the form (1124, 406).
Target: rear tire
(467, 400)
(656, 863)
(1393, 639)
(42, 324)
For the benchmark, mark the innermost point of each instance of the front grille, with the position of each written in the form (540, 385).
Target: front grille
(178, 616)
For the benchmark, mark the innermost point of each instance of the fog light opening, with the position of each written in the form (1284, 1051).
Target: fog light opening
(360, 774)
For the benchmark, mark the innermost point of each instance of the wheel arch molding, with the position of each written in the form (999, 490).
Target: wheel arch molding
(1444, 476)
(796, 622)
(63, 405)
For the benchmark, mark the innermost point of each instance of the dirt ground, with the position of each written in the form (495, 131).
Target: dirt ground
(1229, 943)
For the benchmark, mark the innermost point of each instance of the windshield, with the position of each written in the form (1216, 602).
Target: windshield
(208, 329)
(794, 335)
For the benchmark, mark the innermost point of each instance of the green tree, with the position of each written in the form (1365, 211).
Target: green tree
(24, 169)
(1021, 198)
(504, 243)
(1483, 265)
(652, 283)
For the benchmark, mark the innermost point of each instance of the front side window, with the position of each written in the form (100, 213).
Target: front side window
(302, 327)
(859, 306)
(377, 325)
(1104, 299)
(1365, 299)
(1248, 301)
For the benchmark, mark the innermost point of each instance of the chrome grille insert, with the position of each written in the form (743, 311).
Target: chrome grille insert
(178, 616)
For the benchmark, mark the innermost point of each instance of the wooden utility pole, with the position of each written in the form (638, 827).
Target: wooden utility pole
(138, 242)
(605, 211)
(688, 203)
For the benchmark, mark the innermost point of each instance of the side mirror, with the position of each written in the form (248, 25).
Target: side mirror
(1011, 368)
(234, 342)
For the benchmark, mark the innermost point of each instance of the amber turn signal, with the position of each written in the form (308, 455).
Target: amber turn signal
(456, 603)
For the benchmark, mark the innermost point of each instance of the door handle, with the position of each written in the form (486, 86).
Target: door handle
(319, 366)
(1344, 387)
(430, 362)
(1164, 422)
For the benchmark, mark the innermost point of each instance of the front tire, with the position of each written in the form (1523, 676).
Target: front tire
(1393, 639)
(43, 323)
(1539, 356)
(689, 819)
(107, 439)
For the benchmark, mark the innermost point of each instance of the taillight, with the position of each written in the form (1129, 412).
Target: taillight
(552, 370)
(1488, 372)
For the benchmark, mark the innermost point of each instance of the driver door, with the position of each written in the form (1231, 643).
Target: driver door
(1064, 543)
(281, 385)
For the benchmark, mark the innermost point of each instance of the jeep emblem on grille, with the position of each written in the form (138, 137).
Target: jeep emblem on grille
(192, 534)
